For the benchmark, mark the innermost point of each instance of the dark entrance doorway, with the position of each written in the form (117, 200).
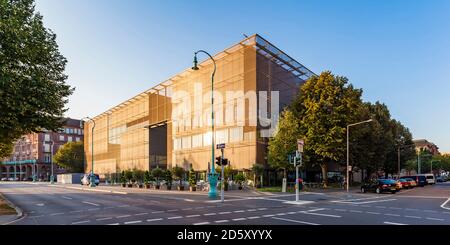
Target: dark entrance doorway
(158, 146)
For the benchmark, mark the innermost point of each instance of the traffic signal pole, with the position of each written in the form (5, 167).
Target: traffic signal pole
(222, 191)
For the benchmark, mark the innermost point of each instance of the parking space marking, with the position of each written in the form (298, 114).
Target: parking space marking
(91, 203)
(140, 214)
(157, 219)
(209, 214)
(201, 223)
(133, 222)
(114, 224)
(123, 216)
(222, 221)
(412, 217)
(254, 217)
(193, 215)
(81, 222)
(435, 219)
(239, 219)
(373, 213)
(395, 215)
(101, 219)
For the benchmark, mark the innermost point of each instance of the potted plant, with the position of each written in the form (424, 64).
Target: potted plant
(123, 180)
(168, 177)
(147, 179)
(178, 173)
(128, 177)
(138, 176)
(240, 179)
(192, 180)
(157, 173)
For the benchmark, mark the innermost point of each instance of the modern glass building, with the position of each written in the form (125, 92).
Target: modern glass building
(170, 124)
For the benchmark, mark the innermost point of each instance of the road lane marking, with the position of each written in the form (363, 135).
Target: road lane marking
(119, 192)
(81, 222)
(239, 211)
(209, 214)
(225, 213)
(435, 219)
(393, 223)
(114, 224)
(193, 215)
(314, 210)
(355, 211)
(239, 219)
(254, 217)
(172, 210)
(412, 209)
(295, 221)
(291, 212)
(140, 214)
(372, 213)
(157, 212)
(157, 219)
(280, 214)
(222, 221)
(133, 222)
(394, 208)
(54, 214)
(68, 198)
(251, 210)
(261, 209)
(91, 203)
(201, 223)
(412, 217)
(123, 216)
(176, 217)
(342, 210)
(374, 201)
(40, 204)
(101, 219)
(395, 215)
(268, 215)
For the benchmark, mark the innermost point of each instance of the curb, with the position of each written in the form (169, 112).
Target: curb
(20, 213)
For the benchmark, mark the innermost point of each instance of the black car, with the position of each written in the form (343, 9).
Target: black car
(380, 185)
(421, 180)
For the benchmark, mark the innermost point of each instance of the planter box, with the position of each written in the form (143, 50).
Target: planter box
(130, 185)
(157, 187)
(124, 185)
(192, 188)
(147, 186)
(181, 188)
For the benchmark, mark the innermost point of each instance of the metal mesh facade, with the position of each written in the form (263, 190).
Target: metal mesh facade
(169, 124)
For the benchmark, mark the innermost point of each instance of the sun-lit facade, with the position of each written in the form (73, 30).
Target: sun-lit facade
(170, 124)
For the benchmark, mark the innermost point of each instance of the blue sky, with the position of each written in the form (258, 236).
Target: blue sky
(397, 51)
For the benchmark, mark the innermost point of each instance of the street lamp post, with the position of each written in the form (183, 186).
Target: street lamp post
(212, 176)
(92, 176)
(348, 149)
(52, 177)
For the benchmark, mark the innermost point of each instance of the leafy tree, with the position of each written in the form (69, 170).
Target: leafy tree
(284, 141)
(168, 177)
(123, 180)
(138, 175)
(6, 149)
(157, 173)
(178, 173)
(128, 175)
(71, 157)
(33, 91)
(324, 107)
(146, 177)
(258, 171)
(192, 177)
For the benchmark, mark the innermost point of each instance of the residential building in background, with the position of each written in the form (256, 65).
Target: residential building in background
(34, 152)
(169, 124)
(423, 144)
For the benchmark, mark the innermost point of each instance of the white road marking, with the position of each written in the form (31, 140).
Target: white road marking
(114, 224)
(81, 222)
(319, 214)
(172, 210)
(268, 215)
(40, 204)
(372, 213)
(189, 200)
(251, 210)
(239, 219)
(395, 215)
(91, 203)
(291, 212)
(393, 223)
(342, 210)
(394, 208)
(119, 192)
(140, 214)
(68, 198)
(295, 221)
(186, 209)
(123, 216)
(176, 217)
(193, 215)
(54, 214)
(151, 220)
(314, 210)
(239, 211)
(133, 222)
(375, 201)
(108, 218)
(157, 212)
(254, 217)
(355, 211)
(435, 219)
(76, 211)
(123, 206)
(225, 213)
(209, 214)
(280, 214)
(412, 217)
(261, 209)
(222, 221)
(412, 209)
(93, 209)
(445, 203)
(201, 223)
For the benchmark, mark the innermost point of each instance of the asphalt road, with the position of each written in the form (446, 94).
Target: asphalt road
(72, 205)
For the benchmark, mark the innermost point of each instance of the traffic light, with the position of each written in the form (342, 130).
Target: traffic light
(219, 161)
(224, 162)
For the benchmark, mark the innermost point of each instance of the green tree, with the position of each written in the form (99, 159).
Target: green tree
(6, 149)
(33, 87)
(284, 141)
(258, 171)
(324, 107)
(70, 156)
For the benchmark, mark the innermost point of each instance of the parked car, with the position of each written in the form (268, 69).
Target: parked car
(421, 180)
(412, 183)
(439, 179)
(431, 180)
(380, 185)
(86, 179)
(4, 179)
(405, 183)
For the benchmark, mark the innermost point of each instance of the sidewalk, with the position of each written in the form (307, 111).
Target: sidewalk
(8, 211)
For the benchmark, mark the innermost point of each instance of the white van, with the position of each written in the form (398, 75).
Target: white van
(431, 180)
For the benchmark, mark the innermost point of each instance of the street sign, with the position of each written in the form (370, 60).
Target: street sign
(300, 144)
(220, 146)
(349, 168)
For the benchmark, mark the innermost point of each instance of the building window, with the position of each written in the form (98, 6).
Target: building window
(46, 137)
(197, 140)
(46, 147)
(77, 139)
(207, 139)
(177, 144)
(221, 136)
(61, 138)
(69, 139)
(236, 134)
(47, 158)
(186, 142)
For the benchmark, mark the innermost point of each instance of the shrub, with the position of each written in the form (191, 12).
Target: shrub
(192, 177)
(168, 177)
(239, 178)
(178, 173)
(157, 173)
(123, 179)
(128, 175)
(146, 177)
